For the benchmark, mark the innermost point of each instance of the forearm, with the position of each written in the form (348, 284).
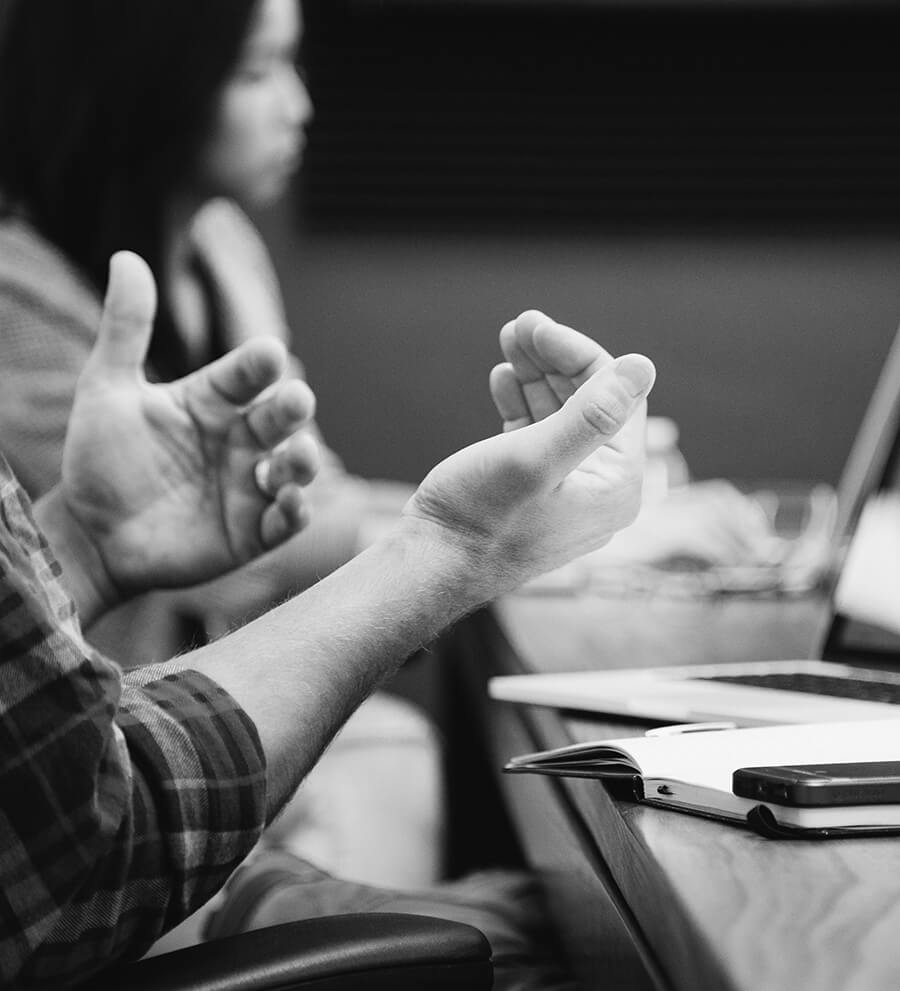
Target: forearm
(132, 843)
(332, 539)
(329, 541)
(301, 669)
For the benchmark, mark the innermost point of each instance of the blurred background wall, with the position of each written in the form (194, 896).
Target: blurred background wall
(717, 185)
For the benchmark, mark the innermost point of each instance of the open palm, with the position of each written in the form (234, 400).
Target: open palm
(164, 478)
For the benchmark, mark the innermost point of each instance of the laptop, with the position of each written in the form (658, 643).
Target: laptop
(855, 673)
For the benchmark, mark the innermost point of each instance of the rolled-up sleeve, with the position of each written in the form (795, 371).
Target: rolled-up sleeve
(130, 820)
(125, 800)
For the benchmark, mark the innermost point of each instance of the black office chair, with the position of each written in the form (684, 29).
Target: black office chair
(371, 951)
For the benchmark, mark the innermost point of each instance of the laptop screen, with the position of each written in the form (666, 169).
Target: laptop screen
(866, 595)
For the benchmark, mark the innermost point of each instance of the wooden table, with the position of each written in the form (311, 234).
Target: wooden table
(646, 898)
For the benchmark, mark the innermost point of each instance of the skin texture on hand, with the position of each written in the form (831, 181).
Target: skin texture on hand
(565, 475)
(163, 481)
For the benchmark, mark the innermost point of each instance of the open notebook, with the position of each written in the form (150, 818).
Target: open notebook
(856, 670)
(692, 771)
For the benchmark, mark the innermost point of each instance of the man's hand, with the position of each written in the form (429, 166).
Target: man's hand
(175, 484)
(482, 522)
(545, 363)
(565, 475)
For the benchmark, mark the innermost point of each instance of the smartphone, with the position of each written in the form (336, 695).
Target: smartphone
(812, 785)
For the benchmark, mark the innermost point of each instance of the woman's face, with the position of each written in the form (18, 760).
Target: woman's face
(257, 138)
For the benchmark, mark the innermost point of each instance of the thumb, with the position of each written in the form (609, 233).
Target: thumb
(127, 321)
(593, 415)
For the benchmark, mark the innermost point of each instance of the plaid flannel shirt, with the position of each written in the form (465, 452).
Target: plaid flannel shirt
(125, 800)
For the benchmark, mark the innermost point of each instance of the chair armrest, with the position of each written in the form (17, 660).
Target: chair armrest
(371, 951)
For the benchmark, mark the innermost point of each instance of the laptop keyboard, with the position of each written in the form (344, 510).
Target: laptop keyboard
(817, 684)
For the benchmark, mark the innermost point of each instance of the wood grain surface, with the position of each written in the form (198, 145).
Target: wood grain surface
(718, 906)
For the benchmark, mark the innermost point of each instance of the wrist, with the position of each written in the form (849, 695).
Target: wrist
(457, 564)
(84, 571)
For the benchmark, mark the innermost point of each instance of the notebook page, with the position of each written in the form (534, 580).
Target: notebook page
(710, 759)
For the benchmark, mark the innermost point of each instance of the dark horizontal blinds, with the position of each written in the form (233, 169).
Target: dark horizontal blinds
(541, 116)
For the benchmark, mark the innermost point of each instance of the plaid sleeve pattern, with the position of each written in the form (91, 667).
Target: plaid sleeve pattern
(125, 800)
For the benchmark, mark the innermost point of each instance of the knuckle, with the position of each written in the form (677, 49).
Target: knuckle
(299, 399)
(248, 372)
(303, 460)
(606, 416)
